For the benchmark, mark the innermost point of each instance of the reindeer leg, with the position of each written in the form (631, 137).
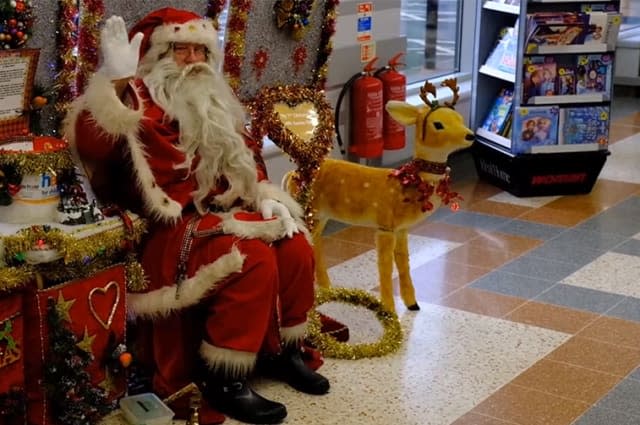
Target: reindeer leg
(385, 242)
(401, 255)
(322, 277)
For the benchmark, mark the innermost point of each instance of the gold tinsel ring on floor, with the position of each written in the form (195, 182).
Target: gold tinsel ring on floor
(330, 347)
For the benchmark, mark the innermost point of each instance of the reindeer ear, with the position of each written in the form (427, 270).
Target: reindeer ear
(402, 112)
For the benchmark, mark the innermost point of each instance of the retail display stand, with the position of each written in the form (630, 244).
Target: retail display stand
(543, 79)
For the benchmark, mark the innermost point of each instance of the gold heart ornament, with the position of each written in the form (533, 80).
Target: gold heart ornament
(99, 293)
(298, 119)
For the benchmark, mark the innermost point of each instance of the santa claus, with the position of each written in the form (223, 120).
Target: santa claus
(227, 257)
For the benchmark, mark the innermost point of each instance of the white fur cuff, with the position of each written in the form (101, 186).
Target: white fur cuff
(230, 363)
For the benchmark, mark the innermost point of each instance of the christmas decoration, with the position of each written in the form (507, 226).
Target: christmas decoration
(16, 22)
(234, 44)
(214, 8)
(10, 180)
(12, 400)
(307, 154)
(298, 57)
(409, 176)
(67, 41)
(74, 399)
(88, 36)
(259, 63)
(72, 352)
(392, 331)
(326, 47)
(293, 16)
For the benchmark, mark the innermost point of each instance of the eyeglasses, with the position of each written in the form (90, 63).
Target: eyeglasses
(184, 50)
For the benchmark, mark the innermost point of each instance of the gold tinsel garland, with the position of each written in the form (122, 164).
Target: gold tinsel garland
(74, 250)
(306, 154)
(392, 330)
(13, 277)
(36, 162)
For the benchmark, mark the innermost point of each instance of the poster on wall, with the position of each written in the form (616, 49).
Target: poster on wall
(18, 68)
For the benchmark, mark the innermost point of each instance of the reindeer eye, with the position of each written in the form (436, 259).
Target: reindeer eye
(438, 125)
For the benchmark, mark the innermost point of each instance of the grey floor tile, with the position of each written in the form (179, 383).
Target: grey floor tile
(472, 219)
(615, 222)
(540, 268)
(630, 247)
(601, 416)
(512, 284)
(628, 309)
(530, 229)
(623, 397)
(441, 213)
(574, 254)
(334, 226)
(580, 298)
(635, 374)
(595, 240)
(631, 205)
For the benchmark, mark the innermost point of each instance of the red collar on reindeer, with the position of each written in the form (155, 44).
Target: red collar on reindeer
(409, 176)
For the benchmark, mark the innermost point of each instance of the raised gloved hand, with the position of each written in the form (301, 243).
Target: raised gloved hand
(119, 56)
(270, 207)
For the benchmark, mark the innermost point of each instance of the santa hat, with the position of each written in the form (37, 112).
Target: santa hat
(169, 25)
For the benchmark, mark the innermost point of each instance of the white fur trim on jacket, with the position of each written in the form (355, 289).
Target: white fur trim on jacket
(106, 108)
(267, 190)
(230, 363)
(293, 334)
(161, 302)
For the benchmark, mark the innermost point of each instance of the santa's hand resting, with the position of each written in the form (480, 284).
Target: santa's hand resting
(119, 56)
(270, 207)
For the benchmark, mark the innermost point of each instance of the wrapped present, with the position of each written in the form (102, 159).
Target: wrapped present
(75, 336)
(12, 398)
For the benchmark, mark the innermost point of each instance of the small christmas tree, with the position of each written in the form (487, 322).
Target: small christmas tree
(74, 399)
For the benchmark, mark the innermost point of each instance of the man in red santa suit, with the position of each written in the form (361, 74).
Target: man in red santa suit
(227, 256)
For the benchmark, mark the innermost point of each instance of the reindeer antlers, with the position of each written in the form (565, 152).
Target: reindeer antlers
(452, 83)
(429, 88)
(425, 90)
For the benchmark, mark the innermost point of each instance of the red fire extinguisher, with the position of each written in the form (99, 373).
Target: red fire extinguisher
(394, 88)
(366, 113)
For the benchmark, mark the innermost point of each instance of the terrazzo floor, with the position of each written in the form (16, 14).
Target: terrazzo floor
(530, 311)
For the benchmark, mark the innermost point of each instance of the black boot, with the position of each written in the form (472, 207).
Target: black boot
(237, 400)
(290, 368)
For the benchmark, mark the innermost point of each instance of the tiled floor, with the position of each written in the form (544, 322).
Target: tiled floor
(530, 310)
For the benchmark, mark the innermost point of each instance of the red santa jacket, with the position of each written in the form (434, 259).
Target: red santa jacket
(134, 156)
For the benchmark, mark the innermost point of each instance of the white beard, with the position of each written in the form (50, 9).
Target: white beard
(211, 120)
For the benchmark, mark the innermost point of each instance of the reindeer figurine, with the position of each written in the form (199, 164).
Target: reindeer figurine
(392, 200)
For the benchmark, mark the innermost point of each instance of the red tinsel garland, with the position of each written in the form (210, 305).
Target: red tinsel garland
(92, 16)
(67, 36)
(409, 177)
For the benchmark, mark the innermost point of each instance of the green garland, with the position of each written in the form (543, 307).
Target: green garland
(392, 331)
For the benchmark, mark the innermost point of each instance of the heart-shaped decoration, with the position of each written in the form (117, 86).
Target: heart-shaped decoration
(301, 119)
(101, 292)
(298, 119)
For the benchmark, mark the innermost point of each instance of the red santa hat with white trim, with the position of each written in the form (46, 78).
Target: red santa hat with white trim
(168, 25)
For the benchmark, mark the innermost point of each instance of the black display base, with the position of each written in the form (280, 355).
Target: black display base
(546, 174)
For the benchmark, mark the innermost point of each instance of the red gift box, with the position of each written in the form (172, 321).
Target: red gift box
(93, 309)
(11, 359)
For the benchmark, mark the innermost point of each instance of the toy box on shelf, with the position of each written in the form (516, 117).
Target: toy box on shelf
(66, 263)
(554, 139)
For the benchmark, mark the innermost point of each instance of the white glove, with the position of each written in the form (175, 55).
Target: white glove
(119, 57)
(269, 208)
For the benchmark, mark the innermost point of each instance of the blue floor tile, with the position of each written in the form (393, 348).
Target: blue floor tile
(580, 298)
(530, 229)
(615, 222)
(601, 416)
(594, 240)
(628, 309)
(476, 220)
(574, 254)
(623, 398)
(512, 284)
(541, 268)
(630, 247)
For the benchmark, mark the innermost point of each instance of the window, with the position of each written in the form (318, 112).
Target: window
(439, 37)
